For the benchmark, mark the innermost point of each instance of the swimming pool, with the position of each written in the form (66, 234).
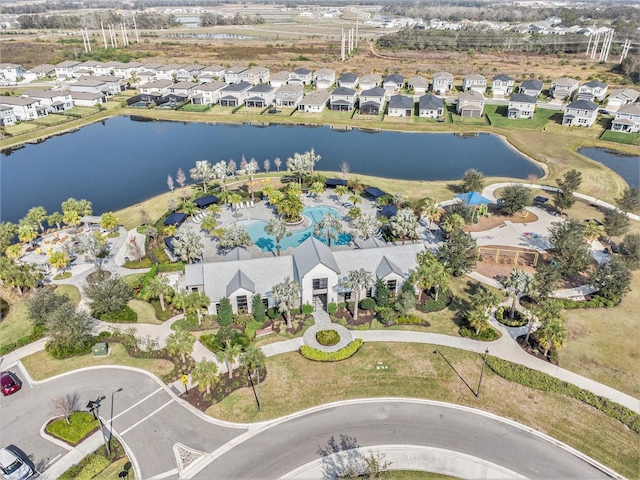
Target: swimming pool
(267, 243)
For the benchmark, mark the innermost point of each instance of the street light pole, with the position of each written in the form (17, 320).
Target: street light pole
(259, 400)
(94, 407)
(484, 362)
(111, 416)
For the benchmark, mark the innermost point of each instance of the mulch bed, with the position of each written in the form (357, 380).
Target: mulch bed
(364, 316)
(533, 348)
(428, 297)
(497, 219)
(98, 276)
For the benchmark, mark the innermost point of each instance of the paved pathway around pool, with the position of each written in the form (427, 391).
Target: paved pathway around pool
(322, 321)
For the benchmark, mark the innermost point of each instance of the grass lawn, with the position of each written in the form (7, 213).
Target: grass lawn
(81, 424)
(112, 471)
(41, 365)
(133, 278)
(497, 115)
(146, 312)
(414, 371)
(411, 475)
(628, 138)
(81, 111)
(21, 128)
(70, 291)
(51, 119)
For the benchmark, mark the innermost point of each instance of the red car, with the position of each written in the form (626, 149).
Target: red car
(9, 383)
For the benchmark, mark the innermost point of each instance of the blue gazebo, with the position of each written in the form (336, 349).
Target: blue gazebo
(472, 198)
(375, 192)
(175, 219)
(206, 201)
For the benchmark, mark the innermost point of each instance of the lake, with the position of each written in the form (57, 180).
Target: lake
(121, 161)
(625, 165)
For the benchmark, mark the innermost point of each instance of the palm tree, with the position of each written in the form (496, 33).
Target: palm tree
(366, 226)
(209, 224)
(355, 198)
(27, 232)
(214, 209)
(317, 188)
(552, 333)
(544, 311)
(356, 281)
(592, 230)
(220, 172)
(158, 287)
(404, 224)
(229, 354)
(330, 227)
(234, 199)
(180, 302)
(37, 215)
(287, 295)
(486, 299)
(205, 374)
(180, 343)
(196, 303)
(341, 190)
(252, 358)
(55, 218)
(431, 275)
(298, 166)
(277, 228)
(452, 223)
(477, 320)
(189, 208)
(430, 210)
(187, 245)
(518, 283)
(59, 260)
(250, 169)
(235, 236)
(203, 171)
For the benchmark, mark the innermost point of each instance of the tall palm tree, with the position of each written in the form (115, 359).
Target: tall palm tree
(355, 198)
(485, 299)
(552, 334)
(518, 283)
(592, 230)
(180, 342)
(189, 208)
(197, 302)
(187, 245)
(277, 228)
(287, 295)
(431, 275)
(252, 358)
(430, 210)
(366, 225)
(235, 199)
(180, 301)
(317, 188)
(27, 232)
(358, 280)
(404, 224)
(452, 223)
(37, 215)
(205, 374)
(203, 171)
(341, 190)
(298, 166)
(229, 354)
(209, 224)
(477, 320)
(250, 170)
(330, 227)
(544, 311)
(220, 172)
(55, 218)
(158, 287)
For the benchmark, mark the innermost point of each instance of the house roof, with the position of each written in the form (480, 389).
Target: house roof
(430, 102)
(67, 64)
(288, 89)
(302, 71)
(371, 78)
(210, 87)
(474, 76)
(44, 68)
(348, 78)
(169, 66)
(86, 95)
(237, 87)
(255, 70)
(158, 84)
(583, 105)
(385, 267)
(532, 84)
(214, 68)
(565, 81)
(151, 66)
(261, 88)
(394, 78)
(373, 92)
(471, 95)
(310, 253)
(442, 76)
(316, 98)
(18, 101)
(101, 78)
(595, 84)
(418, 81)
(237, 69)
(623, 121)
(180, 85)
(626, 93)
(400, 101)
(522, 98)
(325, 71)
(41, 93)
(238, 281)
(630, 108)
(373, 242)
(503, 78)
(238, 253)
(281, 76)
(344, 91)
(192, 68)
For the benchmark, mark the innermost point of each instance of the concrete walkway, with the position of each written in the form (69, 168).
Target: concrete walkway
(322, 321)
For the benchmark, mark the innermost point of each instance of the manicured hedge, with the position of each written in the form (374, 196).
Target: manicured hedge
(123, 315)
(487, 335)
(502, 315)
(327, 337)
(409, 320)
(595, 302)
(546, 383)
(342, 354)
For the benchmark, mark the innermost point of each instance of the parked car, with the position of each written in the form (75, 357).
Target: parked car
(9, 383)
(13, 466)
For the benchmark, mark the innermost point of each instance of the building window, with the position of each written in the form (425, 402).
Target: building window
(368, 293)
(241, 302)
(217, 307)
(320, 283)
(347, 296)
(265, 302)
(392, 285)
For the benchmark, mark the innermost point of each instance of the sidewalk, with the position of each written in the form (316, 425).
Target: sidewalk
(74, 456)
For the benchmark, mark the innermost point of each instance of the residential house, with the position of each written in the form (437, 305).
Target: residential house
(301, 76)
(620, 97)
(256, 75)
(189, 73)
(108, 68)
(314, 102)
(208, 93)
(65, 70)
(348, 80)
(592, 91)
(367, 82)
(215, 71)
(151, 67)
(324, 78)
(582, 113)
(41, 71)
(289, 95)
(563, 88)
(400, 106)
(502, 85)
(279, 79)
(168, 72)
(159, 87)
(260, 96)
(146, 76)
(234, 94)
(108, 84)
(393, 83)
(320, 272)
(234, 74)
(11, 72)
(343, 99)
(87, 99)
(419, 85)
(470, 104)
(531, 87)
(372, 101)
(430, 106)
(52, 100)
(521, 106)
(128, 71)
(442, 83)
(184, 89)
(7, 117)
(474, 82)
(627, 119)
(24, 109)
(89, 67)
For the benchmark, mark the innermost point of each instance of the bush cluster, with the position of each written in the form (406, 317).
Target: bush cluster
(487, 335)
(595, 302)
(502, 315)
(63, 351)
(342, 354)
(430, 305)
(409, 320)
(367, 304)
(307, 309)
(82, 423)
(328, 338)
(332, 308)
(123, 315)
(546, 383)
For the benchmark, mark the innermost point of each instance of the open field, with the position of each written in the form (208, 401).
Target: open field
(414, 371)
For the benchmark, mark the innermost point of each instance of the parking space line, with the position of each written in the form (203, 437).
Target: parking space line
(137, 403)
(146, 418)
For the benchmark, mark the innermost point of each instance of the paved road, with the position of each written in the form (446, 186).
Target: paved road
(151, 421)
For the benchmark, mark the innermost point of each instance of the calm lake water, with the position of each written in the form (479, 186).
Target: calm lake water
(122, 161)
(627, 166)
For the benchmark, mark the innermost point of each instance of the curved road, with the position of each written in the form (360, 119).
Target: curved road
(150, 419)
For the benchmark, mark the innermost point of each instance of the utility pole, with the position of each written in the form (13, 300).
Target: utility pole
(342, 46)
(86, 32)
(135, 28)
(104, 36)
(625, 49)
(484, 362)
(357, 21)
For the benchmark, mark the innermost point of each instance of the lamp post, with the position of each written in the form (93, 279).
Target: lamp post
(484, 362)
(94, 407)
(111, 416)
(259, 400)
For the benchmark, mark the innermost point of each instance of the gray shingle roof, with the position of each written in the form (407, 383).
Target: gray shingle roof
(344, 91)
(240, 280)
(348, 77)
(261, 88)
(400, 101)
(430, 102)
(503, 78)
(237, 254)
(313, 252)
(532, 84)
(385, 267)
(395, 78)
(373, 92)
(595, 84)
(237, 87)
(522, 98)
(583, 105)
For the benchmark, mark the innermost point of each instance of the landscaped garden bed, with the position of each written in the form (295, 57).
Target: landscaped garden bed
(79, 427)
(429, 303)
(342, 354)
(222, 388)
(503, 315)
(328, 338)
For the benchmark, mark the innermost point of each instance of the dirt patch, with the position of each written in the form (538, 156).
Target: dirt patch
(364, 316)
(496, 219)
(500, 270)
(534, 348)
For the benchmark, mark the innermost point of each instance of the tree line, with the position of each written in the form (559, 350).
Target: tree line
(93, 20)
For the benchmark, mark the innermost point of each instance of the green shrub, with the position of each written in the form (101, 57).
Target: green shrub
(123, 315)
(409, 320)
(328, 338)
(62, 276)
(487, 335)
(595, 302)
(546, 383)
(342, 305)
(342, 354)
(225, 312)
(36, 334)
(81, 424)
(430, 305)
(145, 262)
(60, 352)
(502, 315)
(257, 308)
(273, 313)
(307, 309)
(367, 304)
(332, 308)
